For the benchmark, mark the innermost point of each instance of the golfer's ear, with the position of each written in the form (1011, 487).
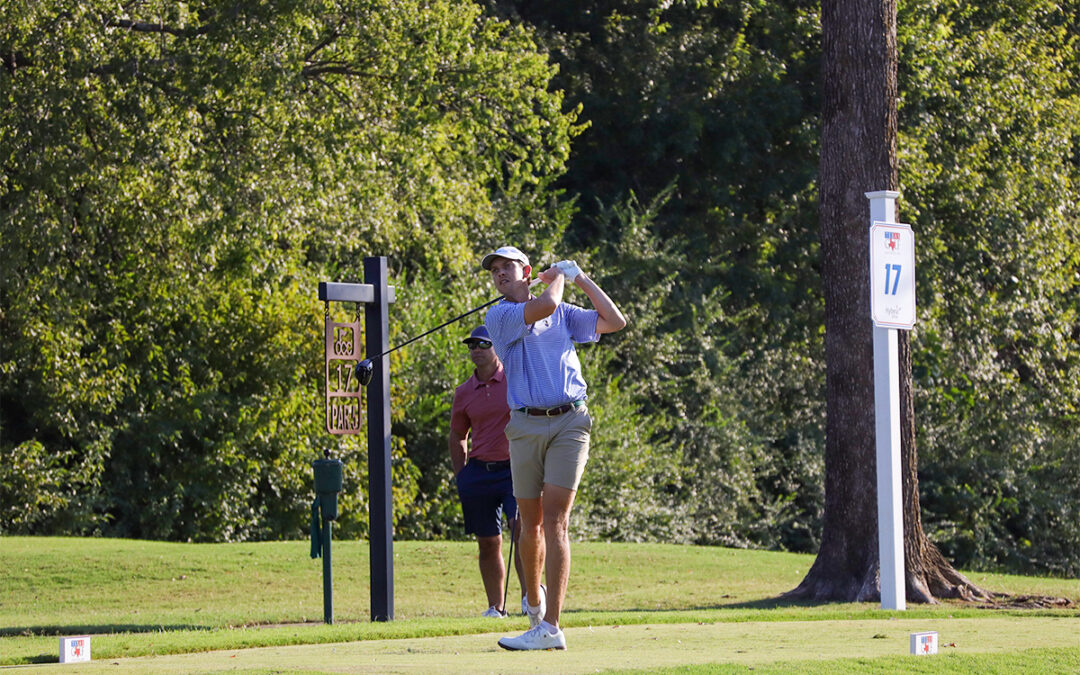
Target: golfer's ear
(526, 271)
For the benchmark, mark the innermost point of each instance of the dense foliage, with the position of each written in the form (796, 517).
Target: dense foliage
(175, 185)
(989, 159)
(716, 104)
(176, 181)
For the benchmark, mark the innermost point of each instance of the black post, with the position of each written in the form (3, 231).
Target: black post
(327, 574)
(377, 329)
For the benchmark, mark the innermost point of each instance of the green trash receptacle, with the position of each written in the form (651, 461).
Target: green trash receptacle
(328, 483)
(324, 510)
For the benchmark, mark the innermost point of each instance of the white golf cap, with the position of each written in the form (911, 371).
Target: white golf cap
(508, 252)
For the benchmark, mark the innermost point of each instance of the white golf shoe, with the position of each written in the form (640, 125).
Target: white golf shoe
(536, 637)
(493, 612)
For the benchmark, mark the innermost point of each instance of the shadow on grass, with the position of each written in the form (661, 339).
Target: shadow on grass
(762, 604)
(765, 603)
(98, 629)
(1001, 601)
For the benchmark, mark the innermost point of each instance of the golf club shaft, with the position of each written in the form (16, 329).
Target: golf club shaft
(444, 324)
(509, 566)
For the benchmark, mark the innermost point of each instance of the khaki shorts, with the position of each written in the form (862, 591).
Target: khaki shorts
(548, 450)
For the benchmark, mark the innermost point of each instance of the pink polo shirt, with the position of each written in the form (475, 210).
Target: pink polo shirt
(481, 407)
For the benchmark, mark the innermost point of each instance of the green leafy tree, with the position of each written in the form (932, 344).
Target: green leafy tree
(719, 104)
(175, 180)
(858, 155)
(706, 113)
(990, 172)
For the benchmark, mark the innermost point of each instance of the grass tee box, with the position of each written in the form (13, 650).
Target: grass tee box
(141, 597)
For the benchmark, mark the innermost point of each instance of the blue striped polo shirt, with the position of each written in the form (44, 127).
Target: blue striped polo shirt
(541, 364)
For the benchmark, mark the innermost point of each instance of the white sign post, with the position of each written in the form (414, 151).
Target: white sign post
(892, 308)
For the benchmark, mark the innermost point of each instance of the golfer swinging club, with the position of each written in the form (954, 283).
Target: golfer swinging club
(549, 421)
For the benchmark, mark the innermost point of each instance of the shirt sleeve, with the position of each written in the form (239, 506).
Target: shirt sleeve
(459, 419)
(581, 323)
(506, 322)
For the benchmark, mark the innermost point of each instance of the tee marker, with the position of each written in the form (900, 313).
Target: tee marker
(923, 644)
(75, 649)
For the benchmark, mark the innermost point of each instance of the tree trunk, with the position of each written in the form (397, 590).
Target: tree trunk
(858, 155)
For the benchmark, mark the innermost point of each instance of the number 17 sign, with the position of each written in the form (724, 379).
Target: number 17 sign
(892, 275)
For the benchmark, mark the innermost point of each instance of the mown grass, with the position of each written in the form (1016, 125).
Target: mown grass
(145, 598)
(1040, 661)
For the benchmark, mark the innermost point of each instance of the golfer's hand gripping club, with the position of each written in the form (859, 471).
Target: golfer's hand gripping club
(569, 269)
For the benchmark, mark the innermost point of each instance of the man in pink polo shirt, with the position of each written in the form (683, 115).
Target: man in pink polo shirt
(483, 475)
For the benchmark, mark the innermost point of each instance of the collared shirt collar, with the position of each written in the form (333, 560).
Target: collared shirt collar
(499, 376)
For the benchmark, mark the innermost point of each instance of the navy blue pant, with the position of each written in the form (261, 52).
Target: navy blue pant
(487, 492)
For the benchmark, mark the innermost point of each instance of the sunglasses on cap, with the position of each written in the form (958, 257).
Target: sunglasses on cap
(479, 344)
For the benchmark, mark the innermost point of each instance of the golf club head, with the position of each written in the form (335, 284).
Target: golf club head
(363, 372)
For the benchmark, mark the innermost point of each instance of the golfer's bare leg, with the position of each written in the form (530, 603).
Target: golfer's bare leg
(492, 569)
(532, 546)
(557, 502)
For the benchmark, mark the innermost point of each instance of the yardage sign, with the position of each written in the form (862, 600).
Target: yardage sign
(342, 389)
(892, 275)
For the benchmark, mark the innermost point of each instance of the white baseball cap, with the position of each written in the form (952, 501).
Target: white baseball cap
(508, 252)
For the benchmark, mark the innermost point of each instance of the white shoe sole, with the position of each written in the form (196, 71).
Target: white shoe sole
(541, 649)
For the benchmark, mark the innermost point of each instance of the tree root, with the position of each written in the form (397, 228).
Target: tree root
(944, 581)
(1007, 601)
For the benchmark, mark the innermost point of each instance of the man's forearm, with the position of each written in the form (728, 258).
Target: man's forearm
(458, 452)
(546, 303)
(610, 319)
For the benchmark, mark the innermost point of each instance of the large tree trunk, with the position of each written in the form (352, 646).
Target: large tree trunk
(858, 155)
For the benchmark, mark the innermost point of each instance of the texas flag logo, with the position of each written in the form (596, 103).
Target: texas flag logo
(892, 240)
